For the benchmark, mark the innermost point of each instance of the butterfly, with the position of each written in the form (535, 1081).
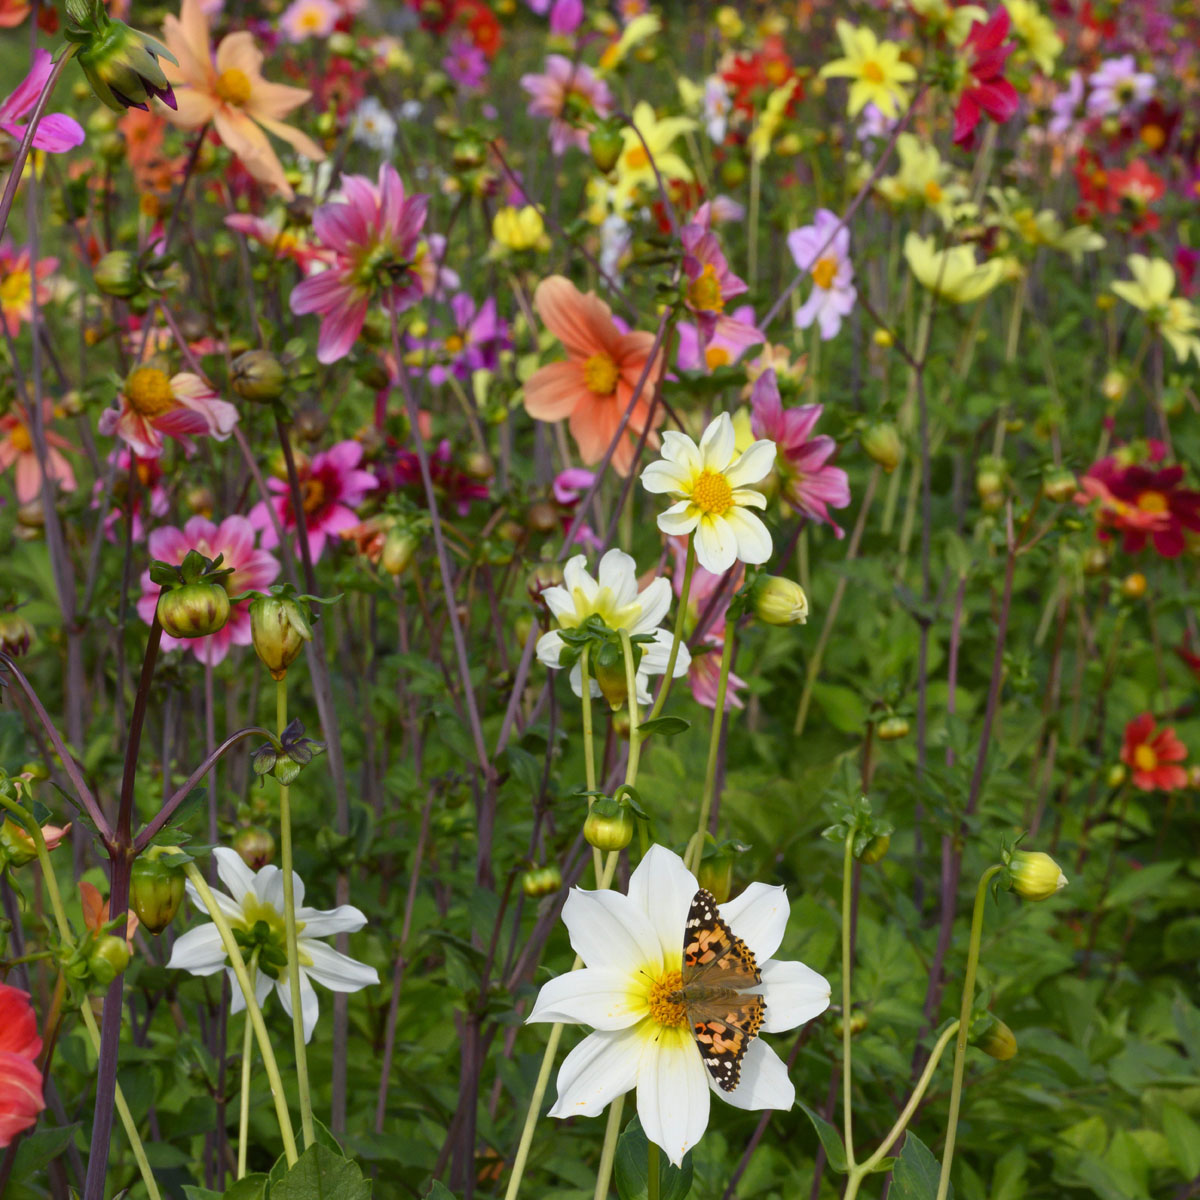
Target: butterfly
(718, 970)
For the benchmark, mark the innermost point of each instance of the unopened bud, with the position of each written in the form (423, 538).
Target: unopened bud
(715, 874)
(193, 610)
(1060, 486)
(109, 957)
(993, 1037)
(892, 729)
(155, 891)
(1115, 775)
(1095, 561)
(882, 444)
(258, 375)
(116, 274)
(1035, 875)
(1114, 386)
(255, 846)
(16, 633)
(875, 849)
(541, 881)
(779, 601)
(610, 675)
(605, 143)
(398, 549)
(1133, 586)
(278, 629)
(541, 517)
(609, 825)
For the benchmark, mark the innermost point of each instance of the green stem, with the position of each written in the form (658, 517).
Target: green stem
(253, 1011)
(612, 1131)
(689, 567)
(635, 731)
(244, 1115)
(289, 922)
(696, 846)
(964, 1024)
(589, 749)
(847, 1110)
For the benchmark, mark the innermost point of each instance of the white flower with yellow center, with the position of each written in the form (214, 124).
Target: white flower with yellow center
(613, 597)
(254, 910)
(632, 948)
(710, 487)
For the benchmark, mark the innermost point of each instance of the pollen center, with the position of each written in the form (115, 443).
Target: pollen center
(712, 493)
(1144, 758)
(704, 292)
(872, 72)
(312, 495)
(20, 440)
(1153, 137)
(824, 271)
(933, 192)
(453, 344)
(1153, 502)
(233, 86)
(16, 290)
(637, 158)
(600, 374)
(664, 1007)
(716, 356)
(148, 391)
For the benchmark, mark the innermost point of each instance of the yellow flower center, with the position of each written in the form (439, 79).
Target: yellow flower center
(312, 495)
(824, 272)
(148, 391)
(933, 192)
(1144, 758)
(233, 86)
(311, 19)
(637, 158)
(600, 374)
(663, 1007)
(1153, 502)
(453, 344)
(872, 72)
(20, 440)
(16, 290)
(1153, 137)
(704, 292)
(711, 493)
(716, 356)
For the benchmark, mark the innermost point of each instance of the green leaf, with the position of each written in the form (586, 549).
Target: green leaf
(835, 1152)
(1183, 1137)
(630, 1168)
(192, 1192)
(666, 726)
(915, 1176)
(40, 1148)
(321, 1174)
(1141, 883)
(439, 1191)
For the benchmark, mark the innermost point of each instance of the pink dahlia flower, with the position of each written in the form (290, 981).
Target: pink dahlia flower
(153, 404)
(564, 86)
(711, 285)
(56, 132)
(16, 449)
(253, 570)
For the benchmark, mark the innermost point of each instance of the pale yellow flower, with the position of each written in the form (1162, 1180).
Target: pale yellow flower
(1036, 34)
(876, 69)
(952, 273)
(634, 169)
(1152, 290)
(924, 180)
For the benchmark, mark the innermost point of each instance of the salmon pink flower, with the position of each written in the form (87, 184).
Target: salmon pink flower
(95, 912)
(594, 387)
(17, 846)
(567, 94)
(373, 235)
(808, 482)
(56, 132)
(1152, 757)
(228, 89)
(16, 448)
(18, 277)
(153, 403)
(985, 89)
(710, 285)
(330, 486)
(253, 570)
(304, 19)
(20, 1077)
(1143, 503)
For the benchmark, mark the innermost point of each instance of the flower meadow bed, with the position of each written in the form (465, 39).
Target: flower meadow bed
(599, 598)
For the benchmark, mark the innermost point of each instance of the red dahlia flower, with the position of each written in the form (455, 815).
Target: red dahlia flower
(1152, 756)
(1144, 504)
(20, 1079)
(986, 90)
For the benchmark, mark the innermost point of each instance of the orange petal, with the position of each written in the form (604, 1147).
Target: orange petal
(582, 323)
(195, 108)
(275, 100)
(553, 392)
(592, 425)
(250, 144)
(237, 52)
(301, 142)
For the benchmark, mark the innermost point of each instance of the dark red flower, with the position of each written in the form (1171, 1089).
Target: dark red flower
(986, 51)
(452, 483)
(1187, 267)
(1144, 504)
(1152, 755)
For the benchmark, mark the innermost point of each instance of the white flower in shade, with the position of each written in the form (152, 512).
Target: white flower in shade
(254, 910)
(614, 597)
(1118, 86)
(633, 950)
(374, 126)
(709, 484)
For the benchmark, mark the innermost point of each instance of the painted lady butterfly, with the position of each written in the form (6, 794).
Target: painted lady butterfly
(718, 968)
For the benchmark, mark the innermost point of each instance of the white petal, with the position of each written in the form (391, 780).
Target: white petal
(759, 916)
(319, 923)
(716, 544)
(268, 887)
(559, 601)
(233, 872)
(602, 1067)
(753, 464)
(309, 1005)
(601, 999)
(662, 476)
(334, 970)
(680, 519)
(199, 951)
(618, 573)
(764, 1082)
(550, 648)
(793, 994)
(753, 537)
(576, 578)
(609, 931)
(663, 888)
(678, 448)
(263, 984)
(718, 444)
(746, 497)
(655, 599)
(672, 1093)
(232, 909)
(576, 678)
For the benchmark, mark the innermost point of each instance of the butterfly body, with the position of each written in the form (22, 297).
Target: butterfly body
(719, 970)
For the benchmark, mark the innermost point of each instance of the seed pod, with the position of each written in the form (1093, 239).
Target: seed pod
(155, 891)
(193, 610)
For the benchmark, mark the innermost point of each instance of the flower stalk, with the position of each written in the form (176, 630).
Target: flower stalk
(695, 848)
(689, 567)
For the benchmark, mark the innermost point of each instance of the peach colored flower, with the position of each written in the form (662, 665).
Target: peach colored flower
(228, 89)
(95, 912)
(16, 448)
(595, 385)
(153, 403)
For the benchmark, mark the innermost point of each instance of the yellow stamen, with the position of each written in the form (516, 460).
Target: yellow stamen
(663, 1009)
(704, 292)
(823, 273)
(1153, 502)
(16, 291)
(711, 493)
(716, 356)
(872, 72)
(1153, 137)
(1144, 758)
(600, 374)
(312, 495)
(453, 344)
(637, 158)
(933, 192)
(148, 391)
(20, 440)
(233, 86)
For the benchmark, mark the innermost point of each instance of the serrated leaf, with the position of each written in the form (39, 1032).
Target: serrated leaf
(631, 1169)
(835, 1152)
(39, 1148)
(916, 1173)
(322, 1174)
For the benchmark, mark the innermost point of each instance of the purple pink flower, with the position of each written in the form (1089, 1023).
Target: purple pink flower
(56, 132)
(567, 94)
(823, 249)
(710, 286)
(153, 404)
(475, 341)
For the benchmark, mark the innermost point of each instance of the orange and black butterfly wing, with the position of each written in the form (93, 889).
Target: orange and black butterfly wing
(723, 1028)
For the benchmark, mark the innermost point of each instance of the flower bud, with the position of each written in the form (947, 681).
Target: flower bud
(1095, 561)
(109, 957)
(1133, 586)
(610, 675)
(255, 846)
(200, 500)
(609, 825)
(875, 849)
(779, 601)
(116, 274)
(1114, 386)
(155, 890)
(605, 143)
(733, 172)
(278, 629)
(882, 444)
(858, 1022)
(258, 375)
(541, 881)
(1035, 875)
(990, 478)
(1115, 775)
(193, 610)
(16, 634)
(120, 63)
(398, 549)
(892, 729)
(1059, 485)
(993, 1037)
(715, 874)
(542, 517)
(883, 338)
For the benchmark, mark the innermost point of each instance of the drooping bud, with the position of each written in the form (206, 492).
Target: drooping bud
(608, 825)
(399, 547)
(992, 1036)
(605, 143)
(882, 444)
(155, 890)
(779, 601)
(1034, 875)
(278, 628)
(121, 64)
(541, 881)
(255, 845)
(258, 375)
(16, 634)
(109, 957)
(116, 274)
(875, 850)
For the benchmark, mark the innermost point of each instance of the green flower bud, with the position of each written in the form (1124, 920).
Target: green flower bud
(109, 957)
(541, 881)
(155, 890)
(117, 274)
(1059, 485)
(279, 628)
(610, 675)
(258, 375)
(255, 845)
(16, 846)
(1035, 875)
(715, 875)
(875, 849)
(992, 1036)
(779, 601)
(892, 729)
(121, 64)
(398, 549)
(16, 633)
(882, 444)
(606, 143)
(193, 610)
(609, 825)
